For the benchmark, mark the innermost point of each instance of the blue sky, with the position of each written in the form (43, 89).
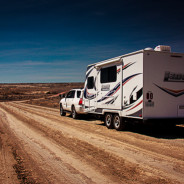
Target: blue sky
(54, 41)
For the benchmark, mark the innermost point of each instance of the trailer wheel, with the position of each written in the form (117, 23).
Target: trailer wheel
(74, 113)
(108, 120)
(118, 122)
(62, 113)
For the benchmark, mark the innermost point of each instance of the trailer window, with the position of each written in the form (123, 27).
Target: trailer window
(90, 83)
(108, 74)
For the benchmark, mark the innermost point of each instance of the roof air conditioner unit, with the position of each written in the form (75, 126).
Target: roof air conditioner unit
(163, 48)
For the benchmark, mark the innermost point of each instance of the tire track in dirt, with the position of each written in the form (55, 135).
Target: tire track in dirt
(156, 157)
(52, 160)
(112, 163)
(12, 168)
(53, 113)
(165, 166)
(141, 142)
(119, 172)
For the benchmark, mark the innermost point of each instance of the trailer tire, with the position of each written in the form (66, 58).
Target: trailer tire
(74, 113)
(108, 120)
(118, 122)
(62, 113)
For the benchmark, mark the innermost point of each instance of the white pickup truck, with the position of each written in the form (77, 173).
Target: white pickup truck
(72, 103)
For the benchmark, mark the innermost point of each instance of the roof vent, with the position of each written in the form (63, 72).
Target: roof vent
(148, 48)
(163, 48)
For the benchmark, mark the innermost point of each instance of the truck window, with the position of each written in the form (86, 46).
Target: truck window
(90, 83)
(78, 94)
(108, 74)
(71, 94)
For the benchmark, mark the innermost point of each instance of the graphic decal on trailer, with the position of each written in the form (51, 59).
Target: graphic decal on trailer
(128, 65)
(117, 87)
(129, 78)
(135, 105)
(88, 95)
(127, 106)
(130, 103)
(89, 72)
(172, 92)
(112, 101)
(110, 93)
(137, 114)
(90, 67)
(118, 71)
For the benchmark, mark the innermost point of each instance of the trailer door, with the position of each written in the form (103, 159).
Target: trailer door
(109, 87)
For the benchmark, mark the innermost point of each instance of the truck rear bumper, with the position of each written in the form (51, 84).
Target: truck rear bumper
(80, 110)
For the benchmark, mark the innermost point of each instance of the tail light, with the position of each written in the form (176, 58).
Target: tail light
(80, 101)
(149, 96)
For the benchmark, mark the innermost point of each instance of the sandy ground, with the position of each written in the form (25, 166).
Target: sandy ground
(37, 145)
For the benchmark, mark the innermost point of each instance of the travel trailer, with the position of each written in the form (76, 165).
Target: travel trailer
(146, 85)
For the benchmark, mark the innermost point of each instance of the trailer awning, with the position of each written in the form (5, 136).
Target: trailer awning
(107, 62)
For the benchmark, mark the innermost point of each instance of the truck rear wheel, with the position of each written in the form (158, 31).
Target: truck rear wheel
(62, 113)
(74, 113)
(108, 120)
(118, 122)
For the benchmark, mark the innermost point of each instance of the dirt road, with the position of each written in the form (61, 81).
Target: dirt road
(39, 146)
